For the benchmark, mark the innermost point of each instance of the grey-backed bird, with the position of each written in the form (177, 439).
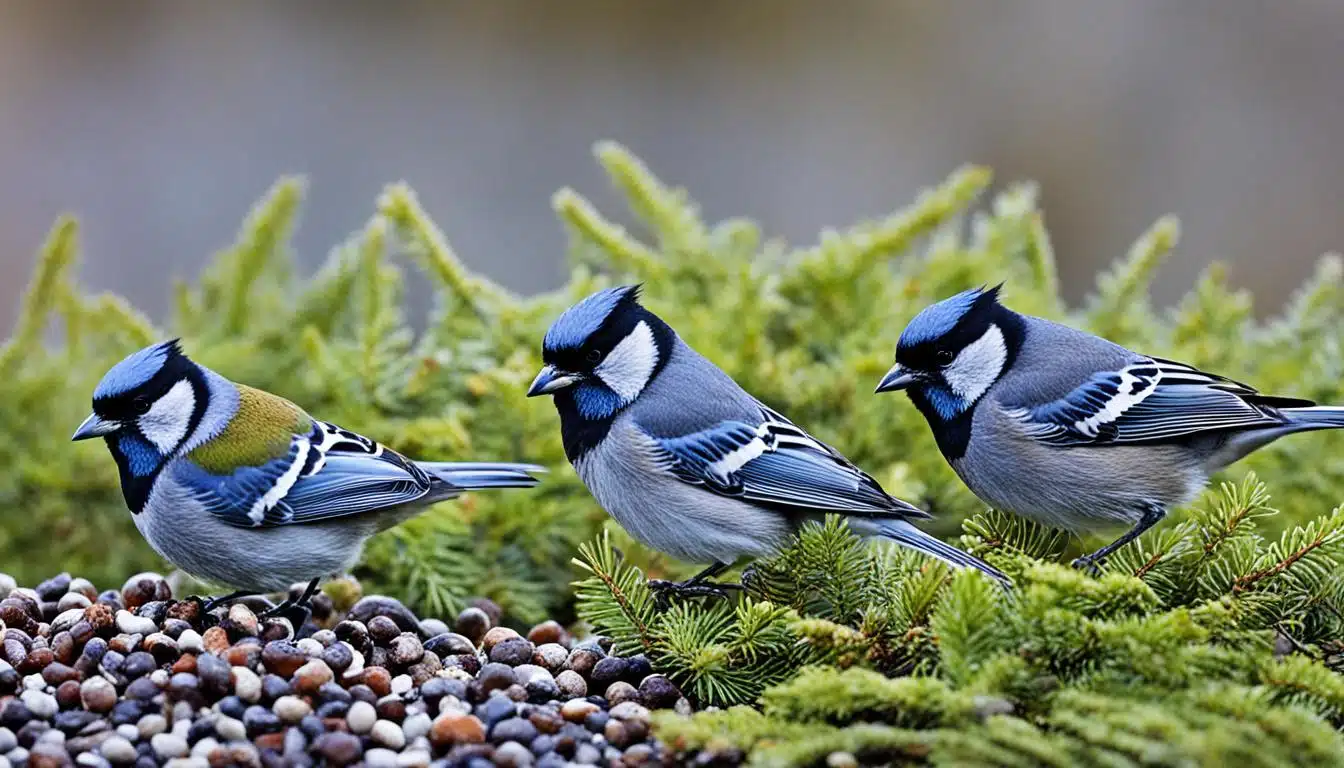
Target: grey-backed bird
(241, 487)
(688, 462)
(1071, 430)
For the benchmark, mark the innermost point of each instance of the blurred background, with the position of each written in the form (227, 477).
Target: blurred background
(158, 123)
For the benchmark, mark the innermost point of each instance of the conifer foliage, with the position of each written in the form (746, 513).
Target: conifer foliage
(1215, 639)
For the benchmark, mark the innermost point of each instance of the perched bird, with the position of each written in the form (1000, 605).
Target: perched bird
(241, 487)
(1071, 430)
(689, 463)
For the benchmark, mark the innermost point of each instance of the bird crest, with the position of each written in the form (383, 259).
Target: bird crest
(938, 320)
(587, 317)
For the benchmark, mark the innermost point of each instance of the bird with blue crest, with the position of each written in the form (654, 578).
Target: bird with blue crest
(1074, 431)
(240, 487)
(687, 461)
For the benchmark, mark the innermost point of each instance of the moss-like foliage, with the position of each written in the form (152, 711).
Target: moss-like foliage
(808, 329)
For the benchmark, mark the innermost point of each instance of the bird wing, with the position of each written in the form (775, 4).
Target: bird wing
(773, 462)
(329, 472)
(1152, 400)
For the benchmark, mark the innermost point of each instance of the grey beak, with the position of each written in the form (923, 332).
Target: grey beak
(95, 427)
(896, 379)
(551, 380)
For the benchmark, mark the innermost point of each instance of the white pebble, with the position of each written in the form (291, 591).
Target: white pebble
(453, 704)
(246, 684)
(131, 624)
(118, 750)
(8, 740)
(388, 734)
(151, 725)
(187, 762)
(513, 753)
(52, 736)
(40, 703)
(159, 677)
(416, 725)
(66, 619)
(203, 747)
(166, 745)
(380, 758)
(361, 717)
(356, 662)
(181, 728)
(17, 756)
(190, 641)
(128, 732)
(413, 758)
(291, 709)
(230, 729)
(310, 646)
(34, 682)
(89, 759)
(402, 683)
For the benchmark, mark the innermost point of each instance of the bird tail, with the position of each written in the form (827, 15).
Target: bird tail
(907, 535)
(472, 476)
(1316, 416)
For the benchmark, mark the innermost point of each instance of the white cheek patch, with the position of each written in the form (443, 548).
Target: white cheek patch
(627, 368)
(978, 365)
(165, 423)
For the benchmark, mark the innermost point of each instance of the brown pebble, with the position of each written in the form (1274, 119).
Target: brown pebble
(546, 721)
(497, 635)
(283, 658)
(335, 724)
(243, 655)
(620, 692)
(575, 710)
(63, 646)
(125, 644)
(37, 660)
(82, 632)
(315, 674)
(185, 610)
(187, 663)
(428, 667)
(391, 708)
(274, 741)
(215, 640)
(406, 648)
(472, 623)
(546, 632)
(383, 629)
(452, 728)
(276, 628)
(162, 647)
(338, 748)
(56, 673)
(67, 693)
(616, 734)
(14, 613)
(143, 588)
(582, 660)
(516, 692)
(101, 616)
(240, 622)
(378, 679)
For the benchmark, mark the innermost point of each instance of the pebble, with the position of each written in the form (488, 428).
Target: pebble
(361, 717)
(513, 754)
(97, 694)
(388, 733)
(291, 709)
(131, 624)
(338, 748)
(571, 684)
(452, 728)
(380, 758)
(167, 745)
(40, 703)
(230, 729)
(116, 749)
(416, 725)
(472, 623)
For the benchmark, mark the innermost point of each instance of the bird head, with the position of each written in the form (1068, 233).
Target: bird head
(146, 406)
(953, 351)
(601, 353)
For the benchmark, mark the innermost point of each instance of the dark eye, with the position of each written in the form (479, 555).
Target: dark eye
(592, 356)
(944, 356)
(140, 404)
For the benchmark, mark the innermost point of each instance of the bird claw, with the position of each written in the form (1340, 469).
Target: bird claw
(1089, 565)
(663, 591)
(297, 613)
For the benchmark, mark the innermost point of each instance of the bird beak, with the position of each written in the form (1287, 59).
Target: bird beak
(551, 380)
(896, 379)
(95, 427)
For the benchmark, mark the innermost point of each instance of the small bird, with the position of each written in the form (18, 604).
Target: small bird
(241, 487)
(688, 462)
(1071, 430)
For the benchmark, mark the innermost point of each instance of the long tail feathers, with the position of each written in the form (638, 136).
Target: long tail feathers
(1316, 416)
(470, 476)
(907, 535)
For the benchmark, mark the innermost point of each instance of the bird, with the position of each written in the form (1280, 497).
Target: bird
(240, 487)
(689, 463)
(1071, 430)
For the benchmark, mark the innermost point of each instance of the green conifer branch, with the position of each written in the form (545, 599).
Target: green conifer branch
(55, 261)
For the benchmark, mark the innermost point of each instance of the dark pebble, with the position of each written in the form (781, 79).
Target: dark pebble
(513, 729)
(200, 729)
(469, 662)
(136, 665)
(73, 720)
(333, 709)
(143, 588)
(406, 649)
(657, 692)
(583, 660)
(364, 693)
(338, 657)
(273, 687)
(449, 644)
(14, 715)
(356, 633)
(609, 670)
(333, 692)
(183, 683)
(56, 673)
(9, 679)
(155, 610)
(546, 720)
(596, 721)
(495, 709)
(175, 627)
(473, 623)
(128, 711)
(552, 760)
(214, 674)
(542, 745)
(312, 726)
(63, 646)
(338, 748)
(383, 629)
(513, 652)
(142, 688)
(261, 720)
(378, 605)
(14, 613)
(391, 708)
(110, 598)
(37, 660)
(638, 667)
(495, 676)
(491, 609)
(67, 694)
(283, 658)
(53, 588)
(436, 688)
(232, 706)
(27, 735)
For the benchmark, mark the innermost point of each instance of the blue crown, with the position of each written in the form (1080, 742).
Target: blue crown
(582, 320)
(137, 369)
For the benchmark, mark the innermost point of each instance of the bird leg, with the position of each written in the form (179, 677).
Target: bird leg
(209, 604)
(696, 586)
(297, 611)
(1152, 515)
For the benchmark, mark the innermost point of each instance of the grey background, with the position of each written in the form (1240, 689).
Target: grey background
(159, 122)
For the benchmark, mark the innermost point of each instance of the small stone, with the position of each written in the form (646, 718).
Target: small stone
(383, 630)
(247, 653)
(406, 649)
(150, 725)
(240, 622)
(391, 707)
(312, 676)
(657, 692)
(609, 670)
(546, 632)
(162, 647)
(230, 729)
(617, 734)
(361, 717)
(190, 641)
(131, 624)
(137, 664)
(291, 709)
(273, 687)
(72, 601)
(455, 728)
(597, 721)
(494, 676)
(283, 657)
(577, 710)
(167, 746)
(310, 647)
(472, 623)
(582, 660)
(630, 710)
(338, 748)
(542, 688)
(215, 640)
(552, 656)
(389, 734)
(513, 729)
(416, 725)
(620, 692)
(380, 758)
(116, 749)
(511, 754)
(376, 678)
(512, 651)
(98, 695)
(276, 628)
(56, 673)
(258, 719)
(338, 656)
(67, 619)
(571, 684)
(246, 684)
(379, 605)
(496, 636)
(143, 588)
(39, 703)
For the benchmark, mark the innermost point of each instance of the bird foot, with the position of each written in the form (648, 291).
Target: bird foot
(208, 604)
(664, 591)
(1089, 564)
(297, 612)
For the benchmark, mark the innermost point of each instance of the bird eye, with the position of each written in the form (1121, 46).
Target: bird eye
(140, 404)
(592, 356)
(944, 356)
